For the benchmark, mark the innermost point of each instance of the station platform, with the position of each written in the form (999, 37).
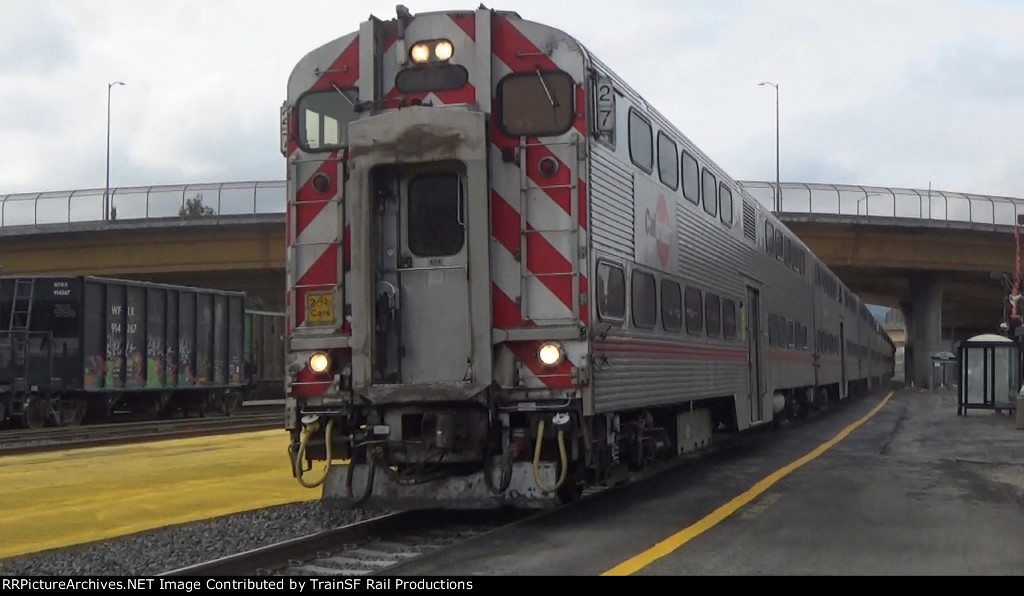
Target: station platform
(891, 484)
(53, 500)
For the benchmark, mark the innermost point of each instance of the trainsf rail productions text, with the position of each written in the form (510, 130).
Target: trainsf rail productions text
(194, 585)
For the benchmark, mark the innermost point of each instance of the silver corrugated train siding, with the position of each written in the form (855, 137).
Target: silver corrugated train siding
(627, 382)
(714, 258)
(639, 380)
(611, 210)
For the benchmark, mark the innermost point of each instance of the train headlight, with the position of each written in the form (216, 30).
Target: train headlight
(420, 53)
(550, 354)
(319, 362)
(443, 50)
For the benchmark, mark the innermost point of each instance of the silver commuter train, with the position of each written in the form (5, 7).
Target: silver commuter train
(534, 282)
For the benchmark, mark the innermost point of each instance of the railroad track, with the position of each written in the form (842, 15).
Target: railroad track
(364, 548)
(13, 442)
(384, 544)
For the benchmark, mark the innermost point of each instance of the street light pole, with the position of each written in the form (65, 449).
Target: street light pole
(106, 188)
(778, 186)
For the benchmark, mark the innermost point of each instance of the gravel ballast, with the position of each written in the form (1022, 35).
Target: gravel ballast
(158, 551)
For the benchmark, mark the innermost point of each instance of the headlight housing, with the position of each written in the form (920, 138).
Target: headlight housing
(444, 50)
(431, 51)
(420, 53)
(319, 362)
(550, 354)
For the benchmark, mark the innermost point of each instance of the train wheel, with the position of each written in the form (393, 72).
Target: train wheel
(34, 414)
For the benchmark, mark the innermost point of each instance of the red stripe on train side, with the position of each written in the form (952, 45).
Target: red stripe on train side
(542, 259)
(622, 347)
(550, 266)
(515, 49)
(506, 313)
(343, 72)
(466, 22)
(561, 195)
(309, 202)
(505, 223)
(786, 355)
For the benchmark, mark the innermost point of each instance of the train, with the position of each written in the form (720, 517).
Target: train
(77, 349)
(510, 278)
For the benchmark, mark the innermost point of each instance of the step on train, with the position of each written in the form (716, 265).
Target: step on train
(81, 349)
(509, 277)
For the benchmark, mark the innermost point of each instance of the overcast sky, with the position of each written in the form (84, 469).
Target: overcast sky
(876, 92)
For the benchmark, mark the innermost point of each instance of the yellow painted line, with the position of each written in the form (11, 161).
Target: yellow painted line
(675, 541)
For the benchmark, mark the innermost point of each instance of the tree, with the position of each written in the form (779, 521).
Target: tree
(194, 208)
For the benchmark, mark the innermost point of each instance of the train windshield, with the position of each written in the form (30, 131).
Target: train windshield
(537, 103)
(324, 118)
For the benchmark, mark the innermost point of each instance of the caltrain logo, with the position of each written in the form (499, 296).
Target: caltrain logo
(659, 228)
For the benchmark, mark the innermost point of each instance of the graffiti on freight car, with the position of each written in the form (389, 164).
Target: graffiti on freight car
(95, 371)
(134, 371)
(154, 361)
(133, 364)
(172, 365)
(187, 374)
(115, 349)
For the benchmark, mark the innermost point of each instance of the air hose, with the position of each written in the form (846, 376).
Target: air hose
(300, 453)
(536, 459)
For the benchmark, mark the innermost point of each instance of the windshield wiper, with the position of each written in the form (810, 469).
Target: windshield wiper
(342, 93)
(551, 98)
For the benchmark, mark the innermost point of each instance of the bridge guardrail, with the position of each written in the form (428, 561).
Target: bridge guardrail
(872, 204)
(883, 205)
(175, 202)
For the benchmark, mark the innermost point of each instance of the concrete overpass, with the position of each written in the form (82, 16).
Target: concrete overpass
(231, 239)
(941, 257)
(945, 259)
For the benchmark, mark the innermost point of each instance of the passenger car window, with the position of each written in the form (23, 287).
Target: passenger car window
(611, 292)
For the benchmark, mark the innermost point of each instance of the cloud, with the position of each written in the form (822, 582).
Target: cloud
(871, 92)
(35, 40)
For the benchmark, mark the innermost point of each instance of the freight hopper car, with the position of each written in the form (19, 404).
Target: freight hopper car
(510, 277)
(81, 348)
(264, 344)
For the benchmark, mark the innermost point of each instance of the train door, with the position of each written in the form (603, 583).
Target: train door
(842, 361)
(754, 370)
(435, 344)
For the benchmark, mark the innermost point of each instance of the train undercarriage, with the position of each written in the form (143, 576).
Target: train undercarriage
(474, 456)
(470, 456)
(28, 409)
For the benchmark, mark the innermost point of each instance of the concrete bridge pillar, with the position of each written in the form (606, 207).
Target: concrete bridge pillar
(924, 326)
